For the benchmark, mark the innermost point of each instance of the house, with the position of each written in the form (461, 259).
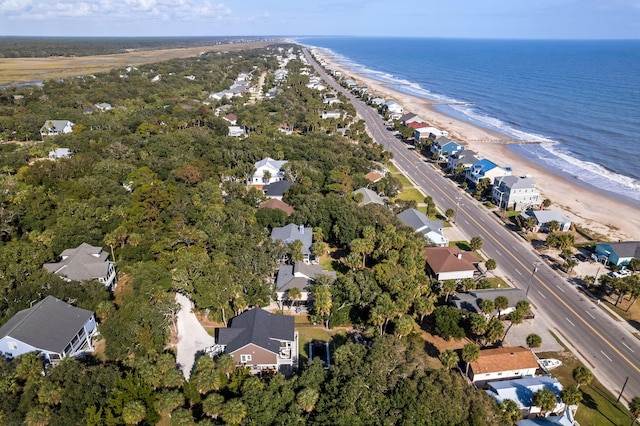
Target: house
(501, 364)
(394, 108)
(450, 263)
(517, 192)
(60, 153)
(261, 341)
(428, 132)
(369, 197)
(377, 101)
(277, 204)
(277, 189)
(231, 118)
(465, 158)
(445, 147)
(410, 118)
(619, 254)
(267, 171)
(103, 106)
(85, 262)
(51, 327)
(285, 128)
(237, 132)
(564, 419)
(471, 301)
(56, 127)
(300, 275)
(331, 114)
(417, 125)
(544, 217)
(331, 101)
(521, 391)
(485, 169)
(431, 229)
(291, 233)
(373, 176)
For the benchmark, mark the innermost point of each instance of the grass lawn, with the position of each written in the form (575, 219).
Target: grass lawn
(462, 245)
(598, 406)
(308, 332)
(406, 183)
(411, 194)
(496, 282)
(393, 169)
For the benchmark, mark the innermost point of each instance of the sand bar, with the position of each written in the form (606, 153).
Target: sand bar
(587, 207)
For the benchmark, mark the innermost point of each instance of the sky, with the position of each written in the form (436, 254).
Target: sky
(513, 19)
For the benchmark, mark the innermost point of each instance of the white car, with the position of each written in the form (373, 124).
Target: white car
(621, 274)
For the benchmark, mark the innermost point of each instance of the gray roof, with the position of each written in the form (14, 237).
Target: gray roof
(299, 275)
(48, 325)
(370, 197)
(516, 182)
(54, 125)
(292, 232)
(626, 249)
(419, 221)
(471, 300)
(521, 390)
(546, 216)
(277, 189)
(259, 327)
(85, 262)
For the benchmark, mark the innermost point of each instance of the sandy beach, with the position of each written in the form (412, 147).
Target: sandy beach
(588, 208)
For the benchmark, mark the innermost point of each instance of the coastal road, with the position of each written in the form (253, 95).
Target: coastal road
(605, 344)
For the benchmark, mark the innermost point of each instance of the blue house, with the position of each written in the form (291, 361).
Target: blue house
(445, 147)
(486, 169)
(51, 327)
(619, 254)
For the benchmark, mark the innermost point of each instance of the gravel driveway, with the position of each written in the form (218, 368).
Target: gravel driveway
(192, 337)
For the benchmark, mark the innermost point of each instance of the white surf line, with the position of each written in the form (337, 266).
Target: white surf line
(543, 296)
(589, 313)
(606, 356)
(569, 321)
(625, 345)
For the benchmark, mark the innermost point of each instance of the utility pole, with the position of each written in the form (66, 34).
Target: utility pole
(533, 273)
(455, 216)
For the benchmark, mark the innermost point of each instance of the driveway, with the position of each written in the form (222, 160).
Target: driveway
(192, 337)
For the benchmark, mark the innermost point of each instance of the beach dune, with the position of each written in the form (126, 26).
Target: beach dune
(607, 215)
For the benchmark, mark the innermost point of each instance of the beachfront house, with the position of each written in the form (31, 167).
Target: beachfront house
(429, 132)
(432, 230)
(85, 262)
(502, 364)
(52, 328)
(444, 147)
(516, 192)
(619, 254)
(261, 341)
(485, 169)
(410, 118)
(544, 217)
(267, 171)
(56, 127)
(462, 159)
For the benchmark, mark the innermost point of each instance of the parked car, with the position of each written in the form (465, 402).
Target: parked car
(581, 257)
(621, 274)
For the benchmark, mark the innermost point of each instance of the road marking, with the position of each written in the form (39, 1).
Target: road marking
(589, 313)
(625, 345)
(519, 273)
(606, 356)
(559, 288)
(568, 320)
(516, 249)
(543, 296)
(465, 221)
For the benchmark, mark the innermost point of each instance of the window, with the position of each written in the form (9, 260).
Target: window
(12, 345)
(245, 358)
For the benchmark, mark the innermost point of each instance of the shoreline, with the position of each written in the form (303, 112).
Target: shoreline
(584, 205)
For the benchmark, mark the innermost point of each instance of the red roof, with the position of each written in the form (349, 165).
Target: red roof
(373, 176)
(450, 259)
(417, 125)
(274, 203)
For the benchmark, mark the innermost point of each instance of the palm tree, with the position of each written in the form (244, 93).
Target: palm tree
(307, 399)
(634, 407)
(487, 306)
(510, 411)
(470, 353)
(212, 405)
(495, 330)
(475, 243)
(449, 213)
(447, 287)
(404, 325)
(134, 412)
(449, 359)
(501, 303)
(491, 264)
(534, 341)
(582, 375)
(233, 411)
(226, 364)
(571, 395)
(423, 306)
(294, 294)
(478, 324)
(545, 399)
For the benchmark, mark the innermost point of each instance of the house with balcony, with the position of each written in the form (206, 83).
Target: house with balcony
(299, 275)
(267, 171)
(51, 327)
(290, 233)
(502, 364)
(486, 169)
(429, 132)
(85, 262)
(56, 127)
(261, 341)
(521, 391)
(432, 230)
(445, 147)
(545, 217)
(515, 192)
(465, 158)
(619, 254)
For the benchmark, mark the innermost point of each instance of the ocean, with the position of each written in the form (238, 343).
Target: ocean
(579, 99)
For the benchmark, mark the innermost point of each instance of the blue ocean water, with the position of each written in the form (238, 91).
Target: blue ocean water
(580, 99)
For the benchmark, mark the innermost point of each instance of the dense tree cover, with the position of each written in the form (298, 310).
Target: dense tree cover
(158, 183)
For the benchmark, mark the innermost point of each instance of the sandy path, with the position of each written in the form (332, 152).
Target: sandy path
(192, 337)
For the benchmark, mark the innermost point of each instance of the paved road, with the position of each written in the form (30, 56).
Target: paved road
(604, 344)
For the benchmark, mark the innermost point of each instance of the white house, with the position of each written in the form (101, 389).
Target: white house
(432, 230)
(331, 114)
(428, 132)
(394, 107)
(56, 127)
(515, 192)
(543, 217)
(52, 328)
(267, 171)
(502, 363)
(485, 169)
(237, 132)
(450, 263)
(60, 153)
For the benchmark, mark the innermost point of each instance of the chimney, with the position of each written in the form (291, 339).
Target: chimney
(459, 255)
